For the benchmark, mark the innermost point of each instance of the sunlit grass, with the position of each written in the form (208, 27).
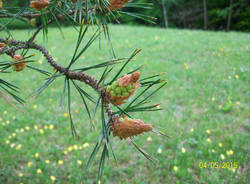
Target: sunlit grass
(205, 112)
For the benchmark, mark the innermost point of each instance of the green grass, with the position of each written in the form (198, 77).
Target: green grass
(207, 98)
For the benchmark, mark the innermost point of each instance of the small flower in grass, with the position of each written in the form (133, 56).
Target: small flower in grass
(85, 145)
(34, 106)
(38, 171)
(8, 122)
(76, 111)
(183, 150)
(233, 170)
(222, 156)
(47, 161)
(50, 99)
(220, 145)
(237, 103)
(18, 147)
(27, 128)
(213, 150)
(230, 152)
(13, 134)
(229, 77)
(60, 162)
(35, 127)
(99, 181)
(75, 146)
(65, 152)
(79, 162)
(5, 112)
(208, 140)
(21, 130)
(70, 148)
(237, 76)
(65, 114)
(13, 117)
(20, 174)
(10, 137)
(191, 129)
(213, 99)
(36, 155)
(12, 145)
(7, 141)
(41, 131)
(175, 168)
(53, 178)
(208, 131)
(29, 164)
(149, 139)
(51, 127)
(159, 151)
(45, 127)
(3, 124)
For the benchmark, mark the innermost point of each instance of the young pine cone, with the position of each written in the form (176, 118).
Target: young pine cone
(117, 4)
(123, 88)
(18, 66)
(124, 128)
(39, 4)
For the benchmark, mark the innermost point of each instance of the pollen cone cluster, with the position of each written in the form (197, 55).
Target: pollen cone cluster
(18, 66)
(39, 4)
(125, 127)
(117, 4)
(123, 88)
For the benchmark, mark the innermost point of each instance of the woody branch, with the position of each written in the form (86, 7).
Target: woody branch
(73, 75)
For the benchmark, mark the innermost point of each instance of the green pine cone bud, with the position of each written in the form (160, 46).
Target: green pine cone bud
(118, 90)
(112, 93)
(124, 89)
(130, 86)
(115, 84)
(109, 88)
(130, 90)
(125, 94)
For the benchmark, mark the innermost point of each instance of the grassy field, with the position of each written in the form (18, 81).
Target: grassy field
(206, 108)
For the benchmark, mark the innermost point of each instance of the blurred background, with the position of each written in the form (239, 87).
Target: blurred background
(192, 14)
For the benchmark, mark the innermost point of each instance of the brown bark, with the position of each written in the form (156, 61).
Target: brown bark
(229, 18)
(205, 14)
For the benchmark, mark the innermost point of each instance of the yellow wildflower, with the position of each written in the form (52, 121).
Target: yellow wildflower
(149, 139)
(222, 157)
(53, 178)
(39, 171)
(41, 131)
(29, 164)
(85, 145)
(60, 162)
(79, 162)
(159, 151)
(36, 155)
(183, 150)
(175, 168)
(18, 147)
